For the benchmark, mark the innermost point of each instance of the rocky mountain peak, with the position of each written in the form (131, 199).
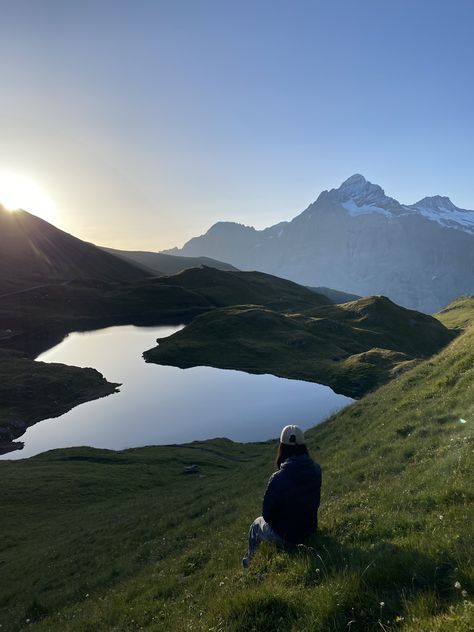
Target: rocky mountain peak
(359, 197)
(225, 227)
(360, 190)
(437, 202)
(355, 182)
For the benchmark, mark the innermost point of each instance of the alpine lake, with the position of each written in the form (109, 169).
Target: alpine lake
(167, 405)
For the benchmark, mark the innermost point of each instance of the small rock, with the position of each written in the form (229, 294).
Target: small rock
(191, 469)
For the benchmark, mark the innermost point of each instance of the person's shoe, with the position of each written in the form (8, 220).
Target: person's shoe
(245, 562)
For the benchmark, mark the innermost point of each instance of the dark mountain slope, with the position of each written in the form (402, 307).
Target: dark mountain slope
(335, 296)
(223, 288)
(81, 304)
(34, 251)
(160, 264)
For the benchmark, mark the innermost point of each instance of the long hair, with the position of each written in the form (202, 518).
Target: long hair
(285, 451)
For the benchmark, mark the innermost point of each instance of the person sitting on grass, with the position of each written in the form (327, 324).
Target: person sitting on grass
(291, 500)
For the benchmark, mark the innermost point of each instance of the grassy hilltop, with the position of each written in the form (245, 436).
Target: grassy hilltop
(96, 540)
(353, 347)
(458, 314)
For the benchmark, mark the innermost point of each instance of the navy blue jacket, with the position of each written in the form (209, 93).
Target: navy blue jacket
(291, 501)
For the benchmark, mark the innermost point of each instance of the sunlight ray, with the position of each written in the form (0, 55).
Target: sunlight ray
(20, 192)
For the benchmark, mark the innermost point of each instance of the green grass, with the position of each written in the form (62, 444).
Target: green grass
(96, 540)
(459, 314)
(353, 348)
(82, 303)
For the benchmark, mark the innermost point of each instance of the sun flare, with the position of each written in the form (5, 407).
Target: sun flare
(19, 192)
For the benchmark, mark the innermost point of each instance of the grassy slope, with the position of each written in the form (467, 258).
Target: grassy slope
(126, 541)
(458, 314)
(352, 347)
(82, 304)
(179, 297)
(225, 288)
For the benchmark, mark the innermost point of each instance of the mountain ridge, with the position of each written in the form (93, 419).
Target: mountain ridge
(33, 249)
(361, 241)
(163, 264)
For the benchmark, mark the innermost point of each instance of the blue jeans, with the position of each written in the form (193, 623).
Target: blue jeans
(260, 531)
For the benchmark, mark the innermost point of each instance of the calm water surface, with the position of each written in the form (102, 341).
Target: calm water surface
(162, 405)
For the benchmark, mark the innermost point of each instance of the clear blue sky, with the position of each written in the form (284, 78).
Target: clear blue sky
(147, 121)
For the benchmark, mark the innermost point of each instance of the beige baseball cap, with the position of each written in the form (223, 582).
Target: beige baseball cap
(292, 435)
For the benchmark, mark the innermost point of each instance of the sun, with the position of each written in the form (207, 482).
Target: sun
(19, 192)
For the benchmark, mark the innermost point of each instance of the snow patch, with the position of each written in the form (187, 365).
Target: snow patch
(365, 209)
(448, 217)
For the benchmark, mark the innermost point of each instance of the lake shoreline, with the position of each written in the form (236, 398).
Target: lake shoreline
(32, 391)
(160, 405)
(292, 333)
(28, 337)
(341, 346)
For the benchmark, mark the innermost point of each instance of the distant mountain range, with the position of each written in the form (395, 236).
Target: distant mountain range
(358, 240)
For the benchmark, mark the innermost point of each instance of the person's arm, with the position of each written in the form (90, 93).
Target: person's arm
(271, 499)
(319, 473)
(318, 492)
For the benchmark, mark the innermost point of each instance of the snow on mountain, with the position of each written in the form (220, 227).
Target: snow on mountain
(359, 240)
(359, 196)
(354, 209)
(440, 209)
(360, 191)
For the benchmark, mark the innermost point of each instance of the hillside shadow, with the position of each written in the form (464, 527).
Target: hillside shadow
(383, 565)
(341, 583)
